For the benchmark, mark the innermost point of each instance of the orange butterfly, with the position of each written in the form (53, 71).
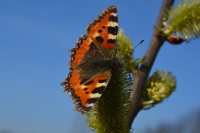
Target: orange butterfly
(90, 66)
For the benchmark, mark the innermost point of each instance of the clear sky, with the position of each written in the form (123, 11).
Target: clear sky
(35, 39)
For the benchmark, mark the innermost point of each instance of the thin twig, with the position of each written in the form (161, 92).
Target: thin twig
(141, 75)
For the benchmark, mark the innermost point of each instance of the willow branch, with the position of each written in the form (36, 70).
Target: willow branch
(141, 75)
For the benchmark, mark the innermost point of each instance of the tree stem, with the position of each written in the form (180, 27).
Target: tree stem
(141, 75)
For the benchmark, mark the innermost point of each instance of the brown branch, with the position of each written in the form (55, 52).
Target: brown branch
(141, 75)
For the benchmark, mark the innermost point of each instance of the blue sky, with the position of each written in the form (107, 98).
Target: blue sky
(35, 39)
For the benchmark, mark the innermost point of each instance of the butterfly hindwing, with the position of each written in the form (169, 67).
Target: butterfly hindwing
(101, 34)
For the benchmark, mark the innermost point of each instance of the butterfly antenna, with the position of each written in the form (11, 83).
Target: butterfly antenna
(139, 44)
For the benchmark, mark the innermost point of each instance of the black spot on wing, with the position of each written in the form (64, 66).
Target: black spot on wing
(111, 41)
(100, 31)
(93, 46)
(113, 9)
(89, 82)
(85, 89)
(113, 18)
(92, 100)
(99, 39)
(99, 90)
(113, 30)
(102, 81)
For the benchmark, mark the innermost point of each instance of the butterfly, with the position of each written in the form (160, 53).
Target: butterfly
(91, 60)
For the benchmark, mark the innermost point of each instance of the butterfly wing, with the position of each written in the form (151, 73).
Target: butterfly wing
(100, 34)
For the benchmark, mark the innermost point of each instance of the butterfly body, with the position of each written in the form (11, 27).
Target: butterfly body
(92, 60)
